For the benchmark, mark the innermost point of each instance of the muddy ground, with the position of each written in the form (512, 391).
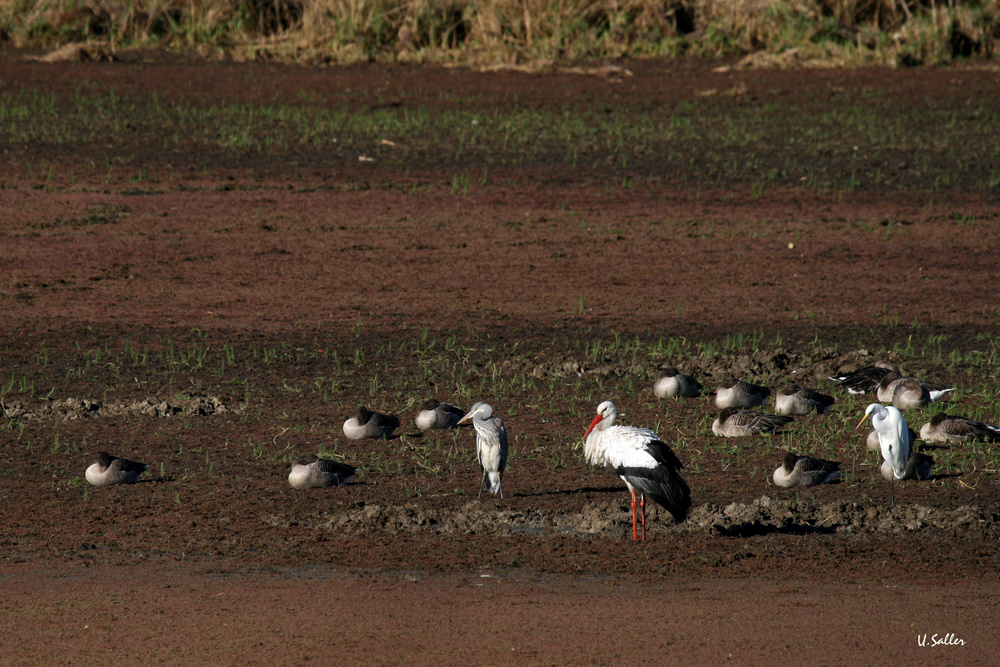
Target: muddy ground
(217, 324)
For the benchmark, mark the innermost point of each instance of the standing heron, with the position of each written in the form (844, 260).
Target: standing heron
(491, 444)
(893, 440)
(871, 442)
(642, 460)
(110, 470)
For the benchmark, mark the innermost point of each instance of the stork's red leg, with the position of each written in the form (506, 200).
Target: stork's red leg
(642, 503)
(634, 535)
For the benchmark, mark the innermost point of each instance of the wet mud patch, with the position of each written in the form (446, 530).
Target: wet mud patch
(612, 520)
(769, 515)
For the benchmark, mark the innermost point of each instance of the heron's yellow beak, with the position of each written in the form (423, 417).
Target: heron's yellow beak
(863, 420)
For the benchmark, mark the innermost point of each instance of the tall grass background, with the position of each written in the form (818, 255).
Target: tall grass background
(518, 32)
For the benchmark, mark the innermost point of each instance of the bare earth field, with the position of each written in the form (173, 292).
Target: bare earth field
(216, 311)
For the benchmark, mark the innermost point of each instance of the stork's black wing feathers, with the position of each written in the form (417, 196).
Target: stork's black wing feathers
(662, 483)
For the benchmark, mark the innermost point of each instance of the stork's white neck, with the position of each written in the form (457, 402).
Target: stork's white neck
(595, 448)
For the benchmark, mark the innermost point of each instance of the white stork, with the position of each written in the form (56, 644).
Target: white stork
(642, 460)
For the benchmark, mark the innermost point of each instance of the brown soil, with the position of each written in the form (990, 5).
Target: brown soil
(214, 557)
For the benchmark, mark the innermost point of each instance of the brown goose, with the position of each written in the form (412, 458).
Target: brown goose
(734, 423)
(673, 383)
(310, 471)
(805, 471)
(864, 380)
(434, 414)
(733, 393)
(908, 393)
(918, 467)
(110, 470)
(796, 400)
(367, 424)
(944, 428)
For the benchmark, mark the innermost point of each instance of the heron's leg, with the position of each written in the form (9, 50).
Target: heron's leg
(892, 492)
(634, 535)
(642, 503)
(482, 484)
(500, 488)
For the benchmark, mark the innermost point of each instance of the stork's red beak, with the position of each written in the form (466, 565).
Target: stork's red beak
(597, 420)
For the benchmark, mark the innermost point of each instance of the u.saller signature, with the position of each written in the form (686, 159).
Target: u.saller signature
(940, 640)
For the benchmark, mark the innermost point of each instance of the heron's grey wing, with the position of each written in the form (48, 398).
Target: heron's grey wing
(502, 430)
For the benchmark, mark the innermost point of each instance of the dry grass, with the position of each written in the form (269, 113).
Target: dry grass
(518, 32)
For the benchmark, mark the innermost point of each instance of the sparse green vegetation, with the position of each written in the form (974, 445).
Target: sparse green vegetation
(944, 144)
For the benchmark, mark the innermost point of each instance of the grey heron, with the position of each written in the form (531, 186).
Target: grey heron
(491, 445)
